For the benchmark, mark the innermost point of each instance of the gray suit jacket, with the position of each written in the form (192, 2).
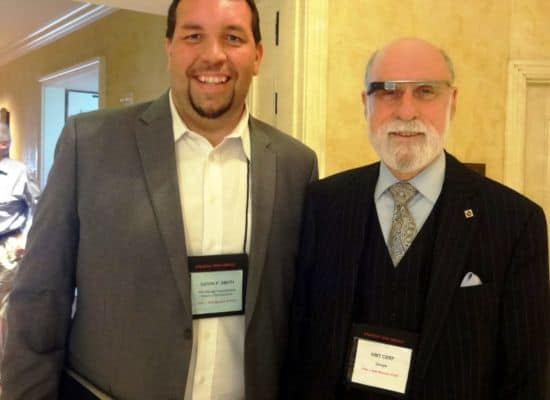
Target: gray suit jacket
(110, 224)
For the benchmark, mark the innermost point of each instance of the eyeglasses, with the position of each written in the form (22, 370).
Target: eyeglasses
(393, 91)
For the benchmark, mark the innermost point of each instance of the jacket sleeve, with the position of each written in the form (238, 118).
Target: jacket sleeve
(524, 331)
(296, 371)
(39, 309)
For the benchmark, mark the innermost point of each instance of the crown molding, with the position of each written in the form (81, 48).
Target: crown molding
(62, 26)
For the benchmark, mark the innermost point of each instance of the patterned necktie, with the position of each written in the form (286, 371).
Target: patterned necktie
(403, 228)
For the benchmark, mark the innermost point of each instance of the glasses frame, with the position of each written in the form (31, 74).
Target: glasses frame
(374, 86)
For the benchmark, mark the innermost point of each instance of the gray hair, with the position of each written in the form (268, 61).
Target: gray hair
(446, 57)
(4, 129)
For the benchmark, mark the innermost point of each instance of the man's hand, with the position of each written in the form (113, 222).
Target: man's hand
(12, 251)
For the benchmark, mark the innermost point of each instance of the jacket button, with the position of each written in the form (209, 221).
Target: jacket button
(188, 333)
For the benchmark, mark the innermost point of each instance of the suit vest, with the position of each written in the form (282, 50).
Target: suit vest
(389, 296)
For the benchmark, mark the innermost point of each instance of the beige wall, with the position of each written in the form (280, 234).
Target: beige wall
(480, 36)
(132, 45)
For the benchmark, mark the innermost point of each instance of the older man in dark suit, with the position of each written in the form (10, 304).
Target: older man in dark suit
(417, 277)
(177, 221)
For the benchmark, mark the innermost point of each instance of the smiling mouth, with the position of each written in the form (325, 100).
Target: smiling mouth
(213, 80)
(406, 133)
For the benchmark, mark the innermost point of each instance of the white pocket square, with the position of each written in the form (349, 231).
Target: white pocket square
(470, 279)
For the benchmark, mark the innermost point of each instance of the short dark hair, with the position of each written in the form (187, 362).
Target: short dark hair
(171, 21)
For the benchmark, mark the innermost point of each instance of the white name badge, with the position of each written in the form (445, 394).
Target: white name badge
(380, 359)
(218, 285)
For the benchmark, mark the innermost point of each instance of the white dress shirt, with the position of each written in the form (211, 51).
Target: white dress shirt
(213, 190)
(428, 184)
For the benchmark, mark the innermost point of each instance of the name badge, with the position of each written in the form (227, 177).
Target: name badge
(380, 359)
(218, 285)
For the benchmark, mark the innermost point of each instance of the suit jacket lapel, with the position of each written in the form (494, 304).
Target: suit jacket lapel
(454, 233)
(263, 176)
(155, 143)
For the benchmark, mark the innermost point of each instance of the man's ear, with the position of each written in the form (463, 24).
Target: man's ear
(454, 95)
(168, 49)
(259, 56)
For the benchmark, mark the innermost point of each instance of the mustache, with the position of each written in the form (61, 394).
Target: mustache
(405, 126)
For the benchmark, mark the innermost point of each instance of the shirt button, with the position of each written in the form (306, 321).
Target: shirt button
(188, 333)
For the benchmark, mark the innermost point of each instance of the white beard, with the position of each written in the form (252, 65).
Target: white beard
(407, 158)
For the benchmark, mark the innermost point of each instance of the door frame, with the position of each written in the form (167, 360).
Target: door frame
(310, 72)
(60, 78)
(521, 74)
(311, 18)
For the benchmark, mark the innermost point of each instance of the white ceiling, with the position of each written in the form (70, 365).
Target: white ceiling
(20, 18)
(159, 7)
(28, 24)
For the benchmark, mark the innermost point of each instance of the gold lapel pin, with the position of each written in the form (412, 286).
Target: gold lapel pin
(469, 213)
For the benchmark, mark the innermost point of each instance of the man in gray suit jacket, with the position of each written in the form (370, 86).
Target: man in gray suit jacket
(418, 277)
(177, 222)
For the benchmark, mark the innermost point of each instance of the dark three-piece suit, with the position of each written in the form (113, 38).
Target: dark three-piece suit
(488, 341)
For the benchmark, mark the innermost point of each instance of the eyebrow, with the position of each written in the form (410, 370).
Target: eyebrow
(235, 28)
(191, 26)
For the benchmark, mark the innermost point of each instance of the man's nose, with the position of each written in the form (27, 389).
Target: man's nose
(407, 107)
(214, 52)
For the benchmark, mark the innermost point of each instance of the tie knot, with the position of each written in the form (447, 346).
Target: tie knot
(402, 192)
